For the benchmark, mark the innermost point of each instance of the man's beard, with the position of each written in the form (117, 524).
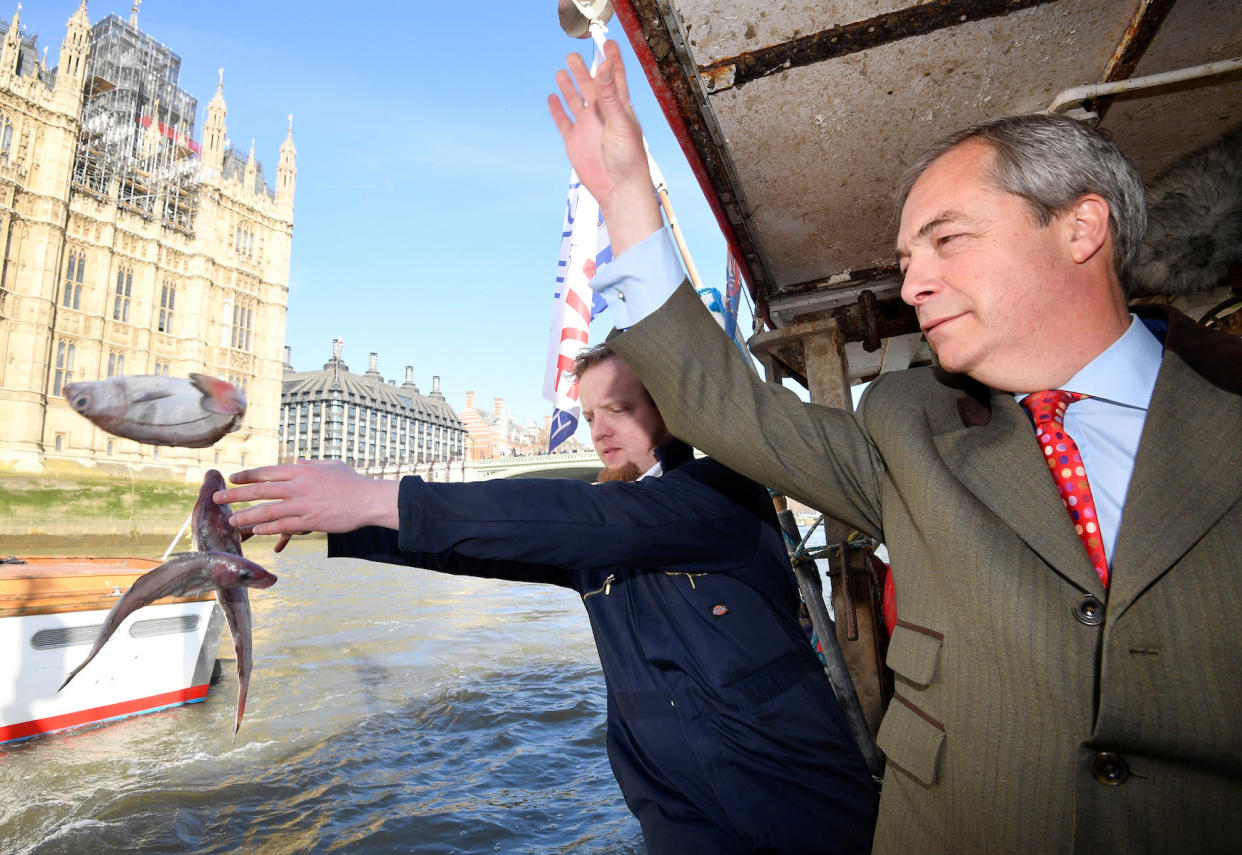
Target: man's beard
(628, 471)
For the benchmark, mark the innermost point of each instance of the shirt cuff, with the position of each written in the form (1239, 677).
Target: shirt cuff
(639, 280)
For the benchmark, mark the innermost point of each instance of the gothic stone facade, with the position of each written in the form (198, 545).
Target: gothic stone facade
(171, 258)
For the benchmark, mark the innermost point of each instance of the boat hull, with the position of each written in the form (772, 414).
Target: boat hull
(51, 611)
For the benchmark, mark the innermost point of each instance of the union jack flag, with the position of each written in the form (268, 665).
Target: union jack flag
(585, 247)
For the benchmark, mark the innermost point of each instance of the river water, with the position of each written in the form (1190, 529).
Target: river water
(390, 710)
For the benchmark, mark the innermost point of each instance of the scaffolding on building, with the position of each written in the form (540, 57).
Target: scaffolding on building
(137, 134)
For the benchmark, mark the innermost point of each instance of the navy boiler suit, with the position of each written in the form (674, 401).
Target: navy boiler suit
(723, 731)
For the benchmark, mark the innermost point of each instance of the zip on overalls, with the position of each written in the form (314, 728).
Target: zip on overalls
(606, 587)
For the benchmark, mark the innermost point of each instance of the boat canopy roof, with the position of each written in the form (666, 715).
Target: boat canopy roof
(799, 118)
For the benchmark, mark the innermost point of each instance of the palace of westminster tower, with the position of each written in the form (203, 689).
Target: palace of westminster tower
(129, 245)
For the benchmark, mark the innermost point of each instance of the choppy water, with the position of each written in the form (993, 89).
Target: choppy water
(390, 710)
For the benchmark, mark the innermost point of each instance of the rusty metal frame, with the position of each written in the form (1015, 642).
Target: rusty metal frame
(654, 31)
(1143, 27)
(655, 34)
(737, 71)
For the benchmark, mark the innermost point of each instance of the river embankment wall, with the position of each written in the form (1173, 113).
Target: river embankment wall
(106, 508)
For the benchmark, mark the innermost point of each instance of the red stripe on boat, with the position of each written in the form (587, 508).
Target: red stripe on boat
(104, 713)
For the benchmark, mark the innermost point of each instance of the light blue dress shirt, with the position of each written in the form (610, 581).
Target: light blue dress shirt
(1107, 426)
(638, 281)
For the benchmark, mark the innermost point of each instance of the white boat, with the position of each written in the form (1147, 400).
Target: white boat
(51, 611)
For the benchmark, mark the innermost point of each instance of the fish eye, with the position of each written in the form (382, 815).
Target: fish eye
(245, 574)
(81, 402)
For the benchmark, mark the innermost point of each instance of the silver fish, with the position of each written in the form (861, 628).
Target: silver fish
(158, 410)
(186, 574)
(214, 533)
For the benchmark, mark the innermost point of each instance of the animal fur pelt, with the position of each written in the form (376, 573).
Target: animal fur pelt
(1194, 222)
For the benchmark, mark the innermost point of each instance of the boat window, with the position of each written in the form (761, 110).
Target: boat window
(64, 636)
(163, 626)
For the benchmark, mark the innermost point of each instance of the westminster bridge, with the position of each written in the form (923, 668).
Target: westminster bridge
(582, 465)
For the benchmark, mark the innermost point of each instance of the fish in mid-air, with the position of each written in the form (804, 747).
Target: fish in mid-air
(159, 410)
(214, 533)
(186, 574)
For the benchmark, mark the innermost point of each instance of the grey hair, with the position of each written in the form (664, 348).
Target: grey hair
(1052, 162)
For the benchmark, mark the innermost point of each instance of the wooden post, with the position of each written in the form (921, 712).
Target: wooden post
(819, 347)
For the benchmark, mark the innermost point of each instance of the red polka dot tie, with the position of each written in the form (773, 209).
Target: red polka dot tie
(1065, 462)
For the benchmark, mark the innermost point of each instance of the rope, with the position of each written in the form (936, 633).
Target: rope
(800, 551)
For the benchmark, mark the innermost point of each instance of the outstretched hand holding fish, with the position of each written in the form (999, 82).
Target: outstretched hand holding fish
(189, 413)
(217, 564)
(325, 496)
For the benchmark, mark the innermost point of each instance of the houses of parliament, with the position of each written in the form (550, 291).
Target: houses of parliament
(131, 243)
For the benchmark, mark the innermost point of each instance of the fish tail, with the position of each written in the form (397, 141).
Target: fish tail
(72, 674)
(219, 396)
(99, 643)
(241, 706)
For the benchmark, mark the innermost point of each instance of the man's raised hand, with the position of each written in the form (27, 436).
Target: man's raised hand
(605, 145)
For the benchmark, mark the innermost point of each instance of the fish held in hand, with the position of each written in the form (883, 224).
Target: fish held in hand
(158, 410)
(186, 574)
(209, 523)
(213, 532)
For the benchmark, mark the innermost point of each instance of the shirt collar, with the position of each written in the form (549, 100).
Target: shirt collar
(1126, 372)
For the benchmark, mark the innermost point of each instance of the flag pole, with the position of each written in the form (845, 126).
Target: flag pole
(673, 226)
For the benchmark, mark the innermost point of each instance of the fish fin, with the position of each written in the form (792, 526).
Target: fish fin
(153, 395)
(219, 396)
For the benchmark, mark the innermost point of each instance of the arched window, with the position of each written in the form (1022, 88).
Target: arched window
(244, 240)
(67, 290)
(71, 296)
(64, 366)
(6, 138)
(77, 288)
(243, 320)
(168, 296)
(124, 287)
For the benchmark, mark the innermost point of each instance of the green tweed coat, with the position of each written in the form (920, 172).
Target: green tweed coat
(1034, 711)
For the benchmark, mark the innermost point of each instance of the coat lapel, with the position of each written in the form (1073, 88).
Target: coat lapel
(1187, 474)
(1001, 464)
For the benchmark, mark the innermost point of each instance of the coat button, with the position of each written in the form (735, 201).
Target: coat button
(1109, 769)
(1089, 611)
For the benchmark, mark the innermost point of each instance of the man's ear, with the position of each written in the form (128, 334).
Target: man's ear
(1089, 233)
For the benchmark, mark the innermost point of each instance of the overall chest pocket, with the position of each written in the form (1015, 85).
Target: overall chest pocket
(711, 628)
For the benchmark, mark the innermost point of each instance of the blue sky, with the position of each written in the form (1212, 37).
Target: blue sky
(431, 181)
